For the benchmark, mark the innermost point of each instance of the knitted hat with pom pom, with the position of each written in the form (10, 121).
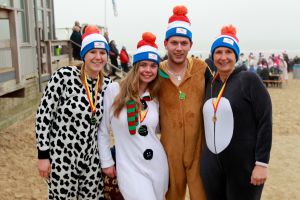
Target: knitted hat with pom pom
(146, 49)
(179, 24)
(227, 39)
(92, 39)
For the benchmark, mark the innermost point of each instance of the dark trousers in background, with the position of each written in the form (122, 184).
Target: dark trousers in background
(114, 62)
(125, 67)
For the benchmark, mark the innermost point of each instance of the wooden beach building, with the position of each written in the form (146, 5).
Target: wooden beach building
(29, 53)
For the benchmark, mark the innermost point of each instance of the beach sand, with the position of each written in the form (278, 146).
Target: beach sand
(20, 179)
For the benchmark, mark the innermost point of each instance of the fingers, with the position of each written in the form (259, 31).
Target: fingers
(112, 174)
(44, 168)
(258, 181)
(259, 175)
(44, 174)
(110, 171)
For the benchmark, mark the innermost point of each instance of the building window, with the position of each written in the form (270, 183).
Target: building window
(5, 51)
(40, 16)
(49, 25)
(48, 4)
(39, 3)
(22, 21)
(4, 33)
(5, 3)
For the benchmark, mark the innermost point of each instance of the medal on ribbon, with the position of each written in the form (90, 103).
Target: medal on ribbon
(216, 102)
(92, 102)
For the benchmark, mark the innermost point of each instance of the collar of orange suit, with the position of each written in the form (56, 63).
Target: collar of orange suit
(162, 71)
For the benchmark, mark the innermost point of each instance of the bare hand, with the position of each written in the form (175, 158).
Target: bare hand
(44, 168)
(110, 171)
(259, 175)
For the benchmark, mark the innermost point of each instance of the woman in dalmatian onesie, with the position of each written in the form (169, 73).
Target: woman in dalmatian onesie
(67, 121)
(238, 127)
(131, 109)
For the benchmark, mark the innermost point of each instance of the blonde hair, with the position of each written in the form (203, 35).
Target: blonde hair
(129, 90)
(82, 76)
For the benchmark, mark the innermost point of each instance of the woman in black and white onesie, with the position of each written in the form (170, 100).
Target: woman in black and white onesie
(238, 127)
(67, 121)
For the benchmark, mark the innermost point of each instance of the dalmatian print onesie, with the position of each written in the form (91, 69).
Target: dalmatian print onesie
(66, 136)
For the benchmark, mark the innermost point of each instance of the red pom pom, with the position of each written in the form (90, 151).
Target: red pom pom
(229, 30)
(180, 10)
(90, 30)
(149, 37)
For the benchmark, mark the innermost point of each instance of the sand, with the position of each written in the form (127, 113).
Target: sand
(20, 179)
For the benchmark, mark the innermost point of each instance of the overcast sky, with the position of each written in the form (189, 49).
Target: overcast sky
(261, 24)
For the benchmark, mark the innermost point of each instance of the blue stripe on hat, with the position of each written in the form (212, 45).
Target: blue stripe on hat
(226, 42)
(148, 55)
(93, 45)
(179, 31)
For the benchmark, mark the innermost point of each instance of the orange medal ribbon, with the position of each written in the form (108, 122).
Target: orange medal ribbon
(143, 114)
(216, 103)
(89, 94)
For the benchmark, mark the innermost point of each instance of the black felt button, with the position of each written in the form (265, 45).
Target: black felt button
(148, 154)
(144, 103)
(143, 131)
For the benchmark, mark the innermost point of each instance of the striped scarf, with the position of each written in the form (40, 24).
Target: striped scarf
(133, 114)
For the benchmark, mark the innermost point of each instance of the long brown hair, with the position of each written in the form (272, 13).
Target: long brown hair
(129, 90)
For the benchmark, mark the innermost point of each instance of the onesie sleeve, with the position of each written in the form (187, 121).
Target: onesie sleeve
(262, 107)
(46, 112)
(104, 127)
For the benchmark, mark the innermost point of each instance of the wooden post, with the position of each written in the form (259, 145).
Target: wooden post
(70, 52)
(49, 56)
(14, 44)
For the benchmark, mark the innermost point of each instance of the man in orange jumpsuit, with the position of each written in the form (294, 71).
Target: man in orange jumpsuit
(181, 100)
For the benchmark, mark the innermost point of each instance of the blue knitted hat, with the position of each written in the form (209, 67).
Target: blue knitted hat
(227, 39)
(146, 49)
(92, 39)
(179, 24)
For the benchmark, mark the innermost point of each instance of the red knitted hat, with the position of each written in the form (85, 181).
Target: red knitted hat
(179, 24)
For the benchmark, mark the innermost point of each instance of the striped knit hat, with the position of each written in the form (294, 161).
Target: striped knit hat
(146, 49)
(179, 23)
(227, 39)
(92, 39)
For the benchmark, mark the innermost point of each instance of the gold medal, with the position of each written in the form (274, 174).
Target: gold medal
(214, 118)
(90, 98)
(93, 120)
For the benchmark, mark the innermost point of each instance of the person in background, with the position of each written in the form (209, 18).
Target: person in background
(238, 127)
(77, 23)
(181, 99)
(210, 63)
(124, 59)
(76, 42)
(131, 109)
(284, 68)
(287, 60)
(67, 122)
(243, 62)
(113, 56)
(252, 63)
(106, 35)
(271, 61)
